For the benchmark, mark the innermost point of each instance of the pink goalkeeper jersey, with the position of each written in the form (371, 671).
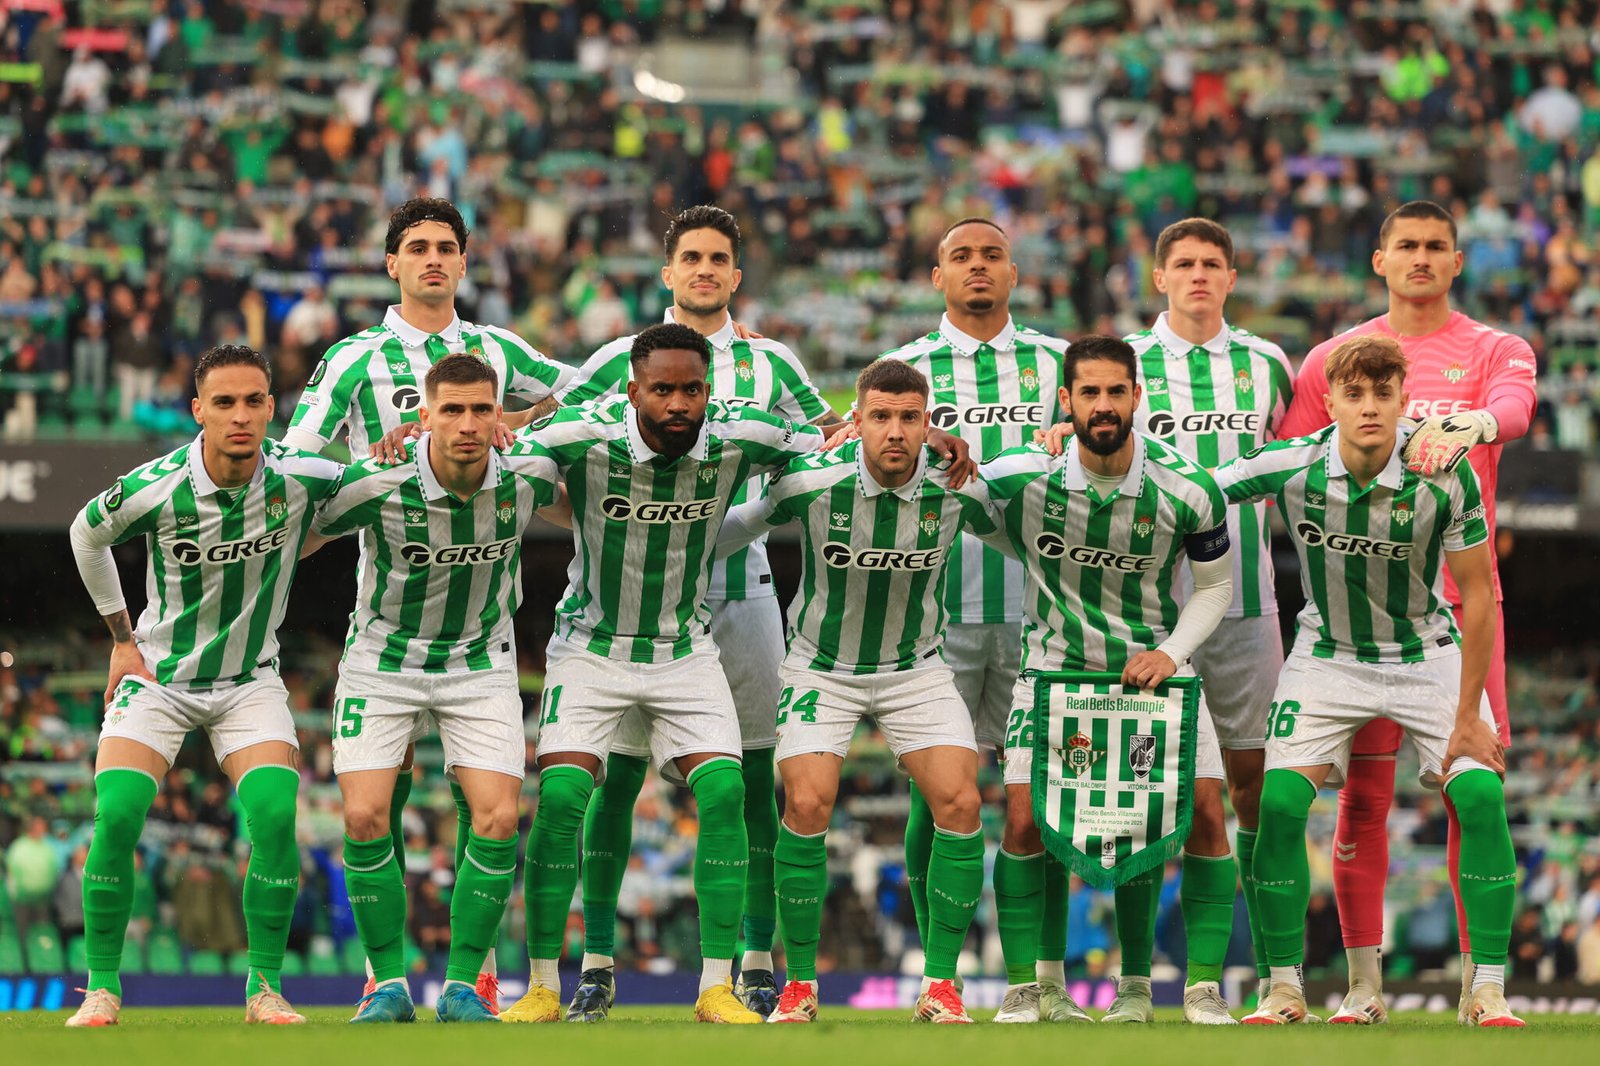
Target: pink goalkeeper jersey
(1462, 366)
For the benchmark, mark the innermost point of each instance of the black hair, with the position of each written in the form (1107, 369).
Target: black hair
(424, 209)
(668, 335)
(706, 216)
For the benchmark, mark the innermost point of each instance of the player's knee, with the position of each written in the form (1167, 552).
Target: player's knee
(1208, 830)
(271, 818)
(1479, 798)
(364, 820)
(957, 812)
(1284, 802)
(496, 822)
(718, 789)
(1368, 791)
(1246, 799)
(1021, 835)
(806, 809)
(118, 824)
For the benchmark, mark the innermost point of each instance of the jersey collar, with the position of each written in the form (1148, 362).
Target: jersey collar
(1392, 476)
(412, 337)
(643, 453)
(1004, 341)
(203, 485)
(1075, 479)
(722, 339)
(869, 484)
(431, 489)
(1170, 340)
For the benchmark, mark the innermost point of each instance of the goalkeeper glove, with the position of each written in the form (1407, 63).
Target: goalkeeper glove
(1439, 444)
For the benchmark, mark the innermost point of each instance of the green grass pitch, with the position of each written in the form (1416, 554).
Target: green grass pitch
(663, 1036)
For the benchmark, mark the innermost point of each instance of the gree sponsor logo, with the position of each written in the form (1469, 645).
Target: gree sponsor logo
(458, 554)
(1165, 424)
(188, 553)
(1052, 546)
(841, 556)
(622, 509)
(1350, 544)
(1436, 408)
(406, 399)
(949, 416)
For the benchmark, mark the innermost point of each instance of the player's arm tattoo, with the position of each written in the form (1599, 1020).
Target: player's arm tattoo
(517, 419)
(121, 626)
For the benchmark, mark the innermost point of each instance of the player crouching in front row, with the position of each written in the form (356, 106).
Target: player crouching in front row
(877, 523)
(1377, 639)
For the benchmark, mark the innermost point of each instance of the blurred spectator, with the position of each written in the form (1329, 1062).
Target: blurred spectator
(32, 867)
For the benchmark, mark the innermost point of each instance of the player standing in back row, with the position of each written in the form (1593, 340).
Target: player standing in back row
(1215, 392)
(371, 383)
(1473, 388)
(993, 384)
(702, 273)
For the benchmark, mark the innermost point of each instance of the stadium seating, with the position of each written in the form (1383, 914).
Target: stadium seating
(43, 946)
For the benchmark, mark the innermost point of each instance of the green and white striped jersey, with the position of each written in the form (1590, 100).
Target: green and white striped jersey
(1101, 570)
(439, 577)
(873, 559)
(221, 560)
(645, 527)
(760, 373)
(992, 395)
(1214, 402)
(372, 381)
(1370, 558)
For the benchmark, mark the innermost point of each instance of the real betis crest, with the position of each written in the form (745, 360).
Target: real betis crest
(1155, 385)
(708, 473)
(1454, 373)
(1402, 514)
(476, 351)
(276, 508)
(506, 513)
(1243, 382)
(1144, 525)
(930, 523)
(1028, 379)
(1113, 772)
(743, 369)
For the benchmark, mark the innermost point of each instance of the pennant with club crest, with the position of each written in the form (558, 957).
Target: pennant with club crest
(1113, 772)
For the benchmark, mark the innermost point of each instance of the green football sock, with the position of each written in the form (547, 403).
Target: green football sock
(721, 855)
(607, 841)
(1488, 882)
(397, 807)
(761, 826)
(919, 850)
(551, 870)
(1282, 871)
(1019, 911)
(463, 825)
(1245, 845)
(801, 869)
(1053, 922)
(122, 798)
(1207, 902)
(377, 889)
(483, 888)
(1138, 901)
(955, 883)
(272, 880)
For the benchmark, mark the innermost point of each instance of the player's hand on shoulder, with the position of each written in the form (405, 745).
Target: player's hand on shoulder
(745, 333)
(958, 452)
(1148, 669)
(390, 448)
(840, 437)
(1053, 439)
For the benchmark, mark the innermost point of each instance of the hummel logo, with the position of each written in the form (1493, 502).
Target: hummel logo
(1344, 852)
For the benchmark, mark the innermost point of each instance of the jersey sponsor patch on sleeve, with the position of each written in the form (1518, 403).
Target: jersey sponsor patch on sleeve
(1203, 547)
(113, 498)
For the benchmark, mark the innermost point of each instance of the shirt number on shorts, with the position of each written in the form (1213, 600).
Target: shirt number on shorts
(127, 688)
(350, 717)
(1280, 720)
(1019, 728)
(548, 702)
(806, 705)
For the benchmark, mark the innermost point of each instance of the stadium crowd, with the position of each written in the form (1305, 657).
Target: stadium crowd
(177, 174)
(192, 856)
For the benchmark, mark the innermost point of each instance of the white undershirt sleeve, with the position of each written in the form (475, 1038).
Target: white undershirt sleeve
(97, 568)
(1213, 592)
